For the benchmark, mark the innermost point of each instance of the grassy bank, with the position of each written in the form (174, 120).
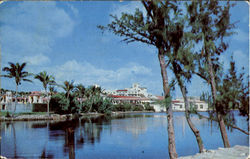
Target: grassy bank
(23, 113)
(31, 116)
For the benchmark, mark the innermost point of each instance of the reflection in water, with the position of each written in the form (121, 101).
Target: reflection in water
(136, 125)
(125, 136)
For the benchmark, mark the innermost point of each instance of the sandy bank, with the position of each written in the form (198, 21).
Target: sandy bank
(236, 152)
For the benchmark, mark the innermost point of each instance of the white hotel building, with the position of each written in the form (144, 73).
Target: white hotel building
(139, 95)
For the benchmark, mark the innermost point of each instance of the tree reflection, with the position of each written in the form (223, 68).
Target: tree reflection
(78, 132)
(46, 154)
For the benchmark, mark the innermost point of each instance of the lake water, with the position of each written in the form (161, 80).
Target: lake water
(139, 135)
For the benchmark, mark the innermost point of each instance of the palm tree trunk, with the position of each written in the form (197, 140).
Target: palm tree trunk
(47, 101)
(187, 114)
(166, 89)
(214, 95)
(15, 98)
(15, 140)
(67, 95)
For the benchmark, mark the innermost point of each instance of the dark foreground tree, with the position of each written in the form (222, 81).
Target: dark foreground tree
(181, 59)
(210, 21)
(16, 71)
(151, 29)
(232, 94)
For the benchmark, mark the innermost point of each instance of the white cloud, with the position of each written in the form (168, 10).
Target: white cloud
(241, 59)
(241, 36)
(37, 59)
(73, 9)
(30, 28)
(127, 8)
(43, 18)
(89, 74)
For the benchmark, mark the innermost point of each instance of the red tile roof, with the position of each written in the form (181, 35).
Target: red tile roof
(122, 90)
(116, 97)
(160, 97)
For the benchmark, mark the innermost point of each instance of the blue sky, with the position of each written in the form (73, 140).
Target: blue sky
(62, 39)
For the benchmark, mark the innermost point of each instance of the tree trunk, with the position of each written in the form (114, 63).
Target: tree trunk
(15, 98)
(214, 95)
(166, 89)
(67, 95)
(191, 125)
(47, 101)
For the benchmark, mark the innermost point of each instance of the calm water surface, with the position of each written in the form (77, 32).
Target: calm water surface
(141, 135)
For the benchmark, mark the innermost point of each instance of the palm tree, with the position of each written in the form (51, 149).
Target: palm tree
(16, 71)
(80, 90)
(93, 93)
(52, 90)
(46, 80)
(68, 87)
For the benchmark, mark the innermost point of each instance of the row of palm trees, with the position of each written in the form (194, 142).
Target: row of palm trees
(17, 72)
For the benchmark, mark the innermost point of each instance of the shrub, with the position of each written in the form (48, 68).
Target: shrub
(105, 106)
(39, 107)
(148, 107)
(137, 108)
(8, 115)
(98, 104)
(59, 104)
(118, 107)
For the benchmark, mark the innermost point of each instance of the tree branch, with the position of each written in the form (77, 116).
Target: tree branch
(228, 124)
(200, 75)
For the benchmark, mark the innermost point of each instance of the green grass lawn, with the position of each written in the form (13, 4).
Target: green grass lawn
(24, 113)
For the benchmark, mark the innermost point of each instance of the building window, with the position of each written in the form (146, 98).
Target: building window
(180, 106)
(196, 106)
(201, 106)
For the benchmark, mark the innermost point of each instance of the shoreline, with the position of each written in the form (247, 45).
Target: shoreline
(64, 117)
(235, 152)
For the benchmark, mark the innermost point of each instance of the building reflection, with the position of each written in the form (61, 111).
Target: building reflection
(134, 125)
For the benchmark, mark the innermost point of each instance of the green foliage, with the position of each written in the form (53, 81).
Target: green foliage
(80, 91)
(148, 107)
(137, 108)
(128, 107)
(168, 101)
(233, 92)
(17, 71)
(45, 79)
(210, 24)
(165, 103)
(207, 97)
(39, 107)
(8, 115)
(59, 103)
(192, 109)
(119, 107)
(68, 87)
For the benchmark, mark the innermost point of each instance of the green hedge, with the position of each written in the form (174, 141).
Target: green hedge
(39, 107)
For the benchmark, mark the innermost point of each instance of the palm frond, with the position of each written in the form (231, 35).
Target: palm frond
(28, 80)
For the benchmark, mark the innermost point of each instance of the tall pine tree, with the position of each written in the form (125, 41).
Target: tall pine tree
(210, 21)
(151, 29)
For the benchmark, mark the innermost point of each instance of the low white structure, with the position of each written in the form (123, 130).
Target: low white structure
(179, 105)
(36, 97)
